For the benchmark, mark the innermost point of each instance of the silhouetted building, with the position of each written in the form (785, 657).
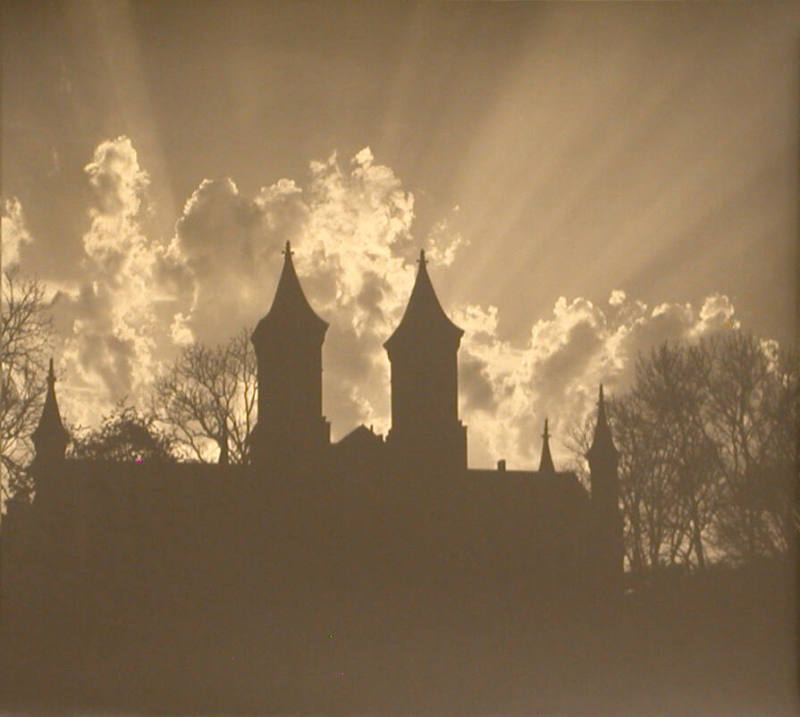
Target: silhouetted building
(363, 536)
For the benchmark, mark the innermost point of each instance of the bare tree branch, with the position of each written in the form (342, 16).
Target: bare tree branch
(25, 342)
(207, 399)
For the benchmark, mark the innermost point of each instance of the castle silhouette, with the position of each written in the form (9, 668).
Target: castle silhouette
(314, 552)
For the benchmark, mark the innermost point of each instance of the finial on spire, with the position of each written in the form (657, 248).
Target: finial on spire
(601, 393)
(287, 251)
(546, 434)
(422, 261)
(51, 374)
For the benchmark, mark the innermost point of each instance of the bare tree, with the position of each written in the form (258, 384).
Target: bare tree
(753, 412)
(655, 530)
(671, 389)
(708, 452)
(207, 399)
(25, 341)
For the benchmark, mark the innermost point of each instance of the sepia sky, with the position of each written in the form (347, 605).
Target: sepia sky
(588, 179)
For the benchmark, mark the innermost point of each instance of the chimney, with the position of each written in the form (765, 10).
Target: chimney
(501, 465)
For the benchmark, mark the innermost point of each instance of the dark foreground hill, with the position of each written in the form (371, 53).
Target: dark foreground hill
(721, 643)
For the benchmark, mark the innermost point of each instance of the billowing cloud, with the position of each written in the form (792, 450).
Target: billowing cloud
(351, 229)
(557, 372)
(116, 324)
(443, 243)
(14, 233)
(231, 246)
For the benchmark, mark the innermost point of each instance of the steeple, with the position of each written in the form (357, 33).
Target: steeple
(424, 315)
(602, 443)
(50, 437)
(423, 349)
(288, 344)
(546, 464)
(290, 309)
(606, 516)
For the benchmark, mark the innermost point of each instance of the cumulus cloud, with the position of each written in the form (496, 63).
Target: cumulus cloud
(14, 233)
(556, 373)
(617, 297)
(230, 244)
(443, 243)
(351, 228)
(142, 298)
(116, 324)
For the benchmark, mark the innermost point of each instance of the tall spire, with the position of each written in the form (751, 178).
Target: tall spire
(546, 464)
(290, 308)
(424, 314)
(602, 441)
(50, 437)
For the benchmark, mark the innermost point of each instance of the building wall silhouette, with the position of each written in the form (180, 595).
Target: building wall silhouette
(367, 532)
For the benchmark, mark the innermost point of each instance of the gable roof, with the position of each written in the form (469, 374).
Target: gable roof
(361, 436)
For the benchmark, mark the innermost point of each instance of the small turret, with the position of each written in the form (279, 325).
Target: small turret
(546, 464)
(50, 438)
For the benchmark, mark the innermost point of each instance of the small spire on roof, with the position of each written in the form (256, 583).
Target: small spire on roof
(50, 437)
(601, 407)
(546, 464)
(602, 440)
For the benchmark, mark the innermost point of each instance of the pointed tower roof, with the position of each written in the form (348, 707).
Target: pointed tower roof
(424, 314)
(290, 308)
(602, 441)
(50, 427)
(546, 464)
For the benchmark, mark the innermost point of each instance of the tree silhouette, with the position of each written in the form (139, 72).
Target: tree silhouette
(670, 393)
(207, 399)
(707, 437)
(753, 399)
(126, 435)
(25, 336)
